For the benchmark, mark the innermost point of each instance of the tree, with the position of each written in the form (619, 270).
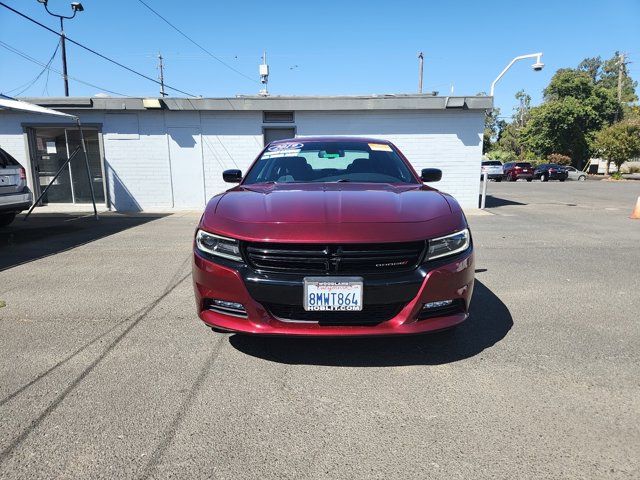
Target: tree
(619, 142)
(609, 78)
(492, 126)
(521, 112)
(592, 67)
(574, 109)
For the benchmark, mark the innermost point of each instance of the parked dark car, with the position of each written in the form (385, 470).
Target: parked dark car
(550, 171)
(15, 196)
(514, 171)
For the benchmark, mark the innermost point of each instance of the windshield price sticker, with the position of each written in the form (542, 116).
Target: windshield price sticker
(283, 150)
(380, 147)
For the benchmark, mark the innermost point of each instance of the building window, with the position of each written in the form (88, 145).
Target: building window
(277, 117)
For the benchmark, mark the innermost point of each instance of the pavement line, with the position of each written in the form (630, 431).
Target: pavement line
(4, 454)
(170, 432)
(12, 395)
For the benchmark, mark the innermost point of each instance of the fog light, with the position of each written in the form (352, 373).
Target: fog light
(226, 307)
(438, 304)
(225, 304)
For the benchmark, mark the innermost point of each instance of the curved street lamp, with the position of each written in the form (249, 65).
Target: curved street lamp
(76, 7)
(536, 66)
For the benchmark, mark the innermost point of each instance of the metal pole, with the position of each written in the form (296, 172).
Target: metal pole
(420, 70)
(620, 69)
(62, 167)
(485, 179)
(521, 57)
(161, 67)
(64, 58)
(86, 162)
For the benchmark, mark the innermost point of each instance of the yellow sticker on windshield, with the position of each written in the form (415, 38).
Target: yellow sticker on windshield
(380, 147)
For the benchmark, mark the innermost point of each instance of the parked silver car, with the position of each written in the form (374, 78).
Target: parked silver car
(575, 174)
(15, 196)
(493, 169)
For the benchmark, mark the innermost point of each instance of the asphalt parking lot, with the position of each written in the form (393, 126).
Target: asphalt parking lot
(106, 372)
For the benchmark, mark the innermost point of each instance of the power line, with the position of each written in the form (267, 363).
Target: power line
(44, 65)
(94, 52)
(197, 44)
(30, 83)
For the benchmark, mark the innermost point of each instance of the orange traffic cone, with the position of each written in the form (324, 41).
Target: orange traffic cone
(636, 211)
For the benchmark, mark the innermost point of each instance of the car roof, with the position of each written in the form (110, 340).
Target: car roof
(333, 139)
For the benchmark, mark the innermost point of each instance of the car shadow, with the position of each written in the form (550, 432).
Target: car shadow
(45, 234)
(489, 322)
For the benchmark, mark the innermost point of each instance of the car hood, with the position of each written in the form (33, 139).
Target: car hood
(332, 212)
(332, 203)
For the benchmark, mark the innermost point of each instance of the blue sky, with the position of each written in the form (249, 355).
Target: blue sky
(328, 47)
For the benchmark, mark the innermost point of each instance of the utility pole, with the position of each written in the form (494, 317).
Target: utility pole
(64, 58)
(161, 78)
(420, 70)
(620, 71)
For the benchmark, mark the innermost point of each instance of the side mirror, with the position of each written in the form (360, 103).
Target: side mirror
(232, 176)
(431, 174)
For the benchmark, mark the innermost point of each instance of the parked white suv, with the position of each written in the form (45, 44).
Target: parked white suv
(15, 196)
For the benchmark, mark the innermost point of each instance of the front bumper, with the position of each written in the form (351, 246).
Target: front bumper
(450, 279)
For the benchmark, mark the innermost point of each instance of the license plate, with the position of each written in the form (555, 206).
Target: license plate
(333, 294)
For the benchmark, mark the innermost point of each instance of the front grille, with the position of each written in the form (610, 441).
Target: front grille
(369, 315)
(331, 258)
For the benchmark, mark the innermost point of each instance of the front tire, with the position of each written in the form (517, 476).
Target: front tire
(6, 219)
(529, 179)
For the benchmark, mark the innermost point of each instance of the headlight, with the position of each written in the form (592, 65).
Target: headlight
(218, 246)
(448, 245)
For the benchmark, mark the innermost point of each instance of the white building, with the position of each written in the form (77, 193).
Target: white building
(170, 153)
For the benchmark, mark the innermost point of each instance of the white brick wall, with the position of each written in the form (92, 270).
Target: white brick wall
(138, 164)
(230, 140)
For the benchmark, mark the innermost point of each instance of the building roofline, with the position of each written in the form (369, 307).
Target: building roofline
(271, 103)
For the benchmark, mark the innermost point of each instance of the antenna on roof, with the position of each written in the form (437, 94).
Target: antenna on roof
(264, 75)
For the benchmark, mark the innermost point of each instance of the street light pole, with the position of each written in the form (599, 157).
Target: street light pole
(64, 58)
(536, 66)
(76, 7)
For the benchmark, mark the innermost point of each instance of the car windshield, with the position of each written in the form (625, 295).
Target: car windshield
(325, 162)
(492, 163)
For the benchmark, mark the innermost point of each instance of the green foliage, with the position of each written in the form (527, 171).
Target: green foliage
(569, 83)
(559, 159)
(619, 143)
(574, 109)
(604, 73)
(492, 125)
(503, 155)
(509, 140)
(577, 104)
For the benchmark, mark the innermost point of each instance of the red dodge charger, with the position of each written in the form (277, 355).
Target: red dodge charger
(332, 236)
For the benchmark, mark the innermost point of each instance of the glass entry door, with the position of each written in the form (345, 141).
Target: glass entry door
(52, 146)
